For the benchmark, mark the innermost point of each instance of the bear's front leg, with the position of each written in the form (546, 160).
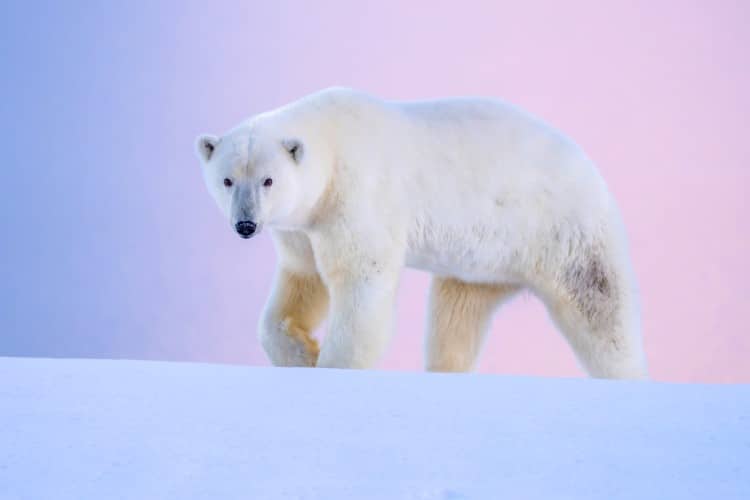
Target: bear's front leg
(360, 263)
(360, 320)
(294, 309)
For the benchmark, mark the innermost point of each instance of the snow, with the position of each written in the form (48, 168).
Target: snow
(93, 429)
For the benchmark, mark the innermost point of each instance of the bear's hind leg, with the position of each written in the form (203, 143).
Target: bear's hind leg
(596, 310)
(459, 317)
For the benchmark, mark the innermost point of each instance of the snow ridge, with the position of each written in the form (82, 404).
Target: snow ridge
(80, 429)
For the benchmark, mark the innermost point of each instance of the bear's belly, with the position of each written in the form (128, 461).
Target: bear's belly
(476, 254)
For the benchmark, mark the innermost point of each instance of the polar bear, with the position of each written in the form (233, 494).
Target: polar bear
(485, 196)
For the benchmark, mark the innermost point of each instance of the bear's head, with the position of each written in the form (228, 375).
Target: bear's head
(258, 177)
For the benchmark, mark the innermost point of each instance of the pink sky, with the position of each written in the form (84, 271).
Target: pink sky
(117, 250)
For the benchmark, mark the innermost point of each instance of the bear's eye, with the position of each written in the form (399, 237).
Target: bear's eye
(268, 182)
(228, 182)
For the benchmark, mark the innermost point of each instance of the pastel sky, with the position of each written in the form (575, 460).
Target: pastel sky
(111, 247)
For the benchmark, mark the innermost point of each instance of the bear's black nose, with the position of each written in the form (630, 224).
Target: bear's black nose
(245, 228)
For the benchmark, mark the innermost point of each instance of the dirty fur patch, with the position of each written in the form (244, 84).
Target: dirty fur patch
(592, 287)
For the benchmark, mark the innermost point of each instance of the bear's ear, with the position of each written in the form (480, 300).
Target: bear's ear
(295, 149)
(205, 146)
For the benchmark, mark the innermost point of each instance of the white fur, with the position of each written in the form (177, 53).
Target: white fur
(488, 198)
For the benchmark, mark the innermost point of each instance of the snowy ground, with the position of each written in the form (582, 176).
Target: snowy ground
(86, 429)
